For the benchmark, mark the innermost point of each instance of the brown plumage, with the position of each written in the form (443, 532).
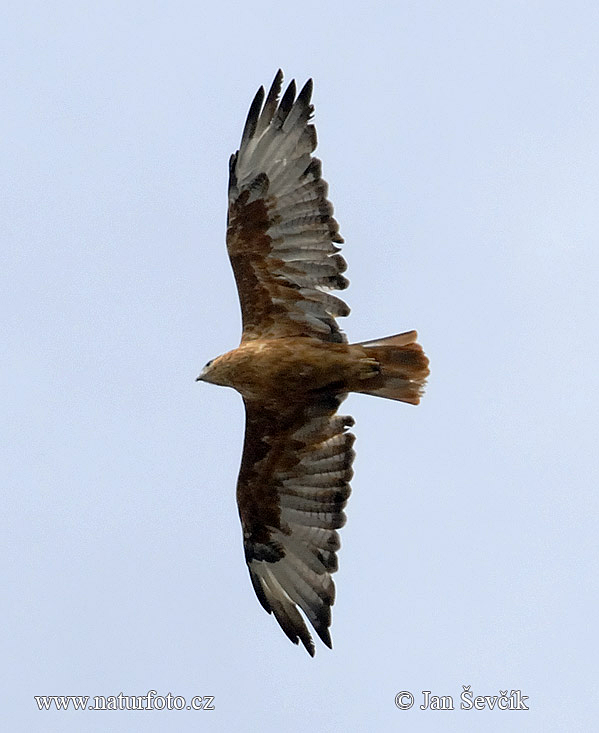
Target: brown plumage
(294, 366)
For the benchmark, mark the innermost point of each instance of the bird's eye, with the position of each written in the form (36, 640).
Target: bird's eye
(208, 363)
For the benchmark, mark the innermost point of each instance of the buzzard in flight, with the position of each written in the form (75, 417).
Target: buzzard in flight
(294, 365)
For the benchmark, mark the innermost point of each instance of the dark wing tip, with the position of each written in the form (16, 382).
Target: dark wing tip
(252, 118)
(275, 87)
(286, 102)
(306, 93)
(270, 105)
(293, 626)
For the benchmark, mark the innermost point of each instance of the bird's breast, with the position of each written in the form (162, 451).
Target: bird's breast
(283, 367)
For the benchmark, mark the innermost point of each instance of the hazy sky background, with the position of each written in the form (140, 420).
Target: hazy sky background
(460, 143)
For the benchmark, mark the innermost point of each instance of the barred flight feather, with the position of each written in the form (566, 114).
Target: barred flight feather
(307, 511)
(278, 207)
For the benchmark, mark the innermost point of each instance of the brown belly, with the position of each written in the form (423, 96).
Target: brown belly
(291, 367)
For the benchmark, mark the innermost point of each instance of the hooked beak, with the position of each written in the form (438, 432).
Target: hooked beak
(202, 375)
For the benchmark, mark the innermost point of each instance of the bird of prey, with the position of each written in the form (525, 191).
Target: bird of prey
(294, 365)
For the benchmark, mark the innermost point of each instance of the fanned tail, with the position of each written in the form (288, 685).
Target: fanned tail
(403, 368)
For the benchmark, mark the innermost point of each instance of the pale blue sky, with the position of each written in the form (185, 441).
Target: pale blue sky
(461, 148)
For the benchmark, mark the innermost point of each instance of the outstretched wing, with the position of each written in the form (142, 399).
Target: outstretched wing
(281, 234)
(293, 485)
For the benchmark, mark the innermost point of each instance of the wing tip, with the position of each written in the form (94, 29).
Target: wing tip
(274, 599)
(252, 117)
(306, 92)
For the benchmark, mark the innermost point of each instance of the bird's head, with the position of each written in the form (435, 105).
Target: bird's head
(215, 372)
(205, 374)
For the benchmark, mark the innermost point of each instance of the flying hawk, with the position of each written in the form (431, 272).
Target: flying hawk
(294, 365)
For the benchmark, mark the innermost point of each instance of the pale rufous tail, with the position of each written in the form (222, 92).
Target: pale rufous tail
(403, 368)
